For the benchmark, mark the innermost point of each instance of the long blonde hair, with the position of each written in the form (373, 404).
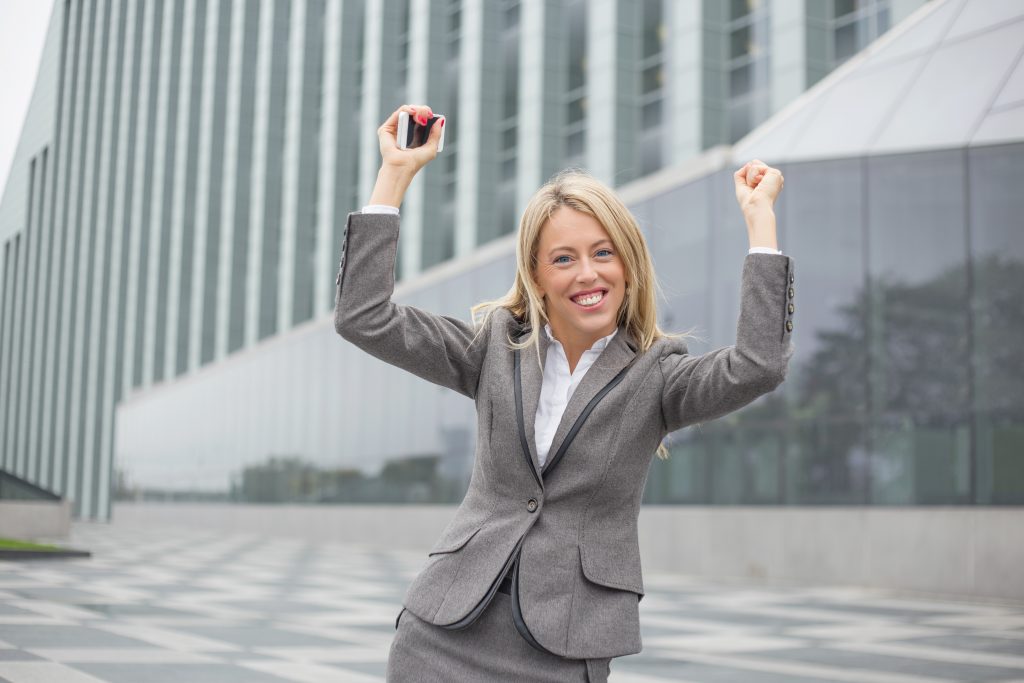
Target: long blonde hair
(582, 192)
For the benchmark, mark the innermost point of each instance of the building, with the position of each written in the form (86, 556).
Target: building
(187, 166)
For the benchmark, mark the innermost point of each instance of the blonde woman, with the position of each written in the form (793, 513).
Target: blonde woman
(537, 577)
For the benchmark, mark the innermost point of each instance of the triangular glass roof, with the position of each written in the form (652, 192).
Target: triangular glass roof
(950, 75)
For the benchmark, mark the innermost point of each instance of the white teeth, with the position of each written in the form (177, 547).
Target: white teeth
(590, 299)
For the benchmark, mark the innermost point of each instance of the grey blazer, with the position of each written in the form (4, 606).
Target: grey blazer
(567, 533)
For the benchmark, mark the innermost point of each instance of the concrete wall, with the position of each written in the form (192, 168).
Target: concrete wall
(32, 519)
(959, 552)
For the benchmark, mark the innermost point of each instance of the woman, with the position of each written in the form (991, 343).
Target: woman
(537, 577)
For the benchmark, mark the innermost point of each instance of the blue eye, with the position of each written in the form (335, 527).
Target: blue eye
(560, 257)
(609, 251)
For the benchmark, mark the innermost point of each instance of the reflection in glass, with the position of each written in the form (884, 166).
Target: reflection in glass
(906, 386)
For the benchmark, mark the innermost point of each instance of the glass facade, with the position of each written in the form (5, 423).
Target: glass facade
(905, 387)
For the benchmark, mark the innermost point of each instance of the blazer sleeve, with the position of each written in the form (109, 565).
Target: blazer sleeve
(437, 348)
(700, 388)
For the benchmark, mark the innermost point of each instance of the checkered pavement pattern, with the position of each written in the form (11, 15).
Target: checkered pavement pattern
(174, 604)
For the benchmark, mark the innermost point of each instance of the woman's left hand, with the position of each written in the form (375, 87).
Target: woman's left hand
(757, 187)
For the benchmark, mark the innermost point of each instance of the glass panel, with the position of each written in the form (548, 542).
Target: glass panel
(577, 25)
(574, 111)
(653, 28)
(739, 42)
(951, 93)
(574, 144)
(508, 138)
(651, 114)
(739, 80)
(650, 152)
(917, 321)
(997, 272)
(845, 42)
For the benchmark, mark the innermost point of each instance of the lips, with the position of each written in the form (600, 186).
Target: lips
(589, 296)
(588, 291)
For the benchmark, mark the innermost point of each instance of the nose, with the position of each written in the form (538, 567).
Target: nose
(586, 272)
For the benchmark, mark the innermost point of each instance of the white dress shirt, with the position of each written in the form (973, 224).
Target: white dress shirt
(558, 384)
(558, 387)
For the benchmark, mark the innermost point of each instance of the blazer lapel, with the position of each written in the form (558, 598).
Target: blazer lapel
(532, 377)
(619, 352)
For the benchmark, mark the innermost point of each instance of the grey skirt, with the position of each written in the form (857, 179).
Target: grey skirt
(489, 650)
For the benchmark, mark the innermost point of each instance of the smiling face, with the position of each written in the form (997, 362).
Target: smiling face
(580, 276)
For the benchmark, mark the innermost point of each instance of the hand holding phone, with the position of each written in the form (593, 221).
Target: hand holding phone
(411, 134)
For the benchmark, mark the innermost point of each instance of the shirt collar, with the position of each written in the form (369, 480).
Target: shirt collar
(597, 346)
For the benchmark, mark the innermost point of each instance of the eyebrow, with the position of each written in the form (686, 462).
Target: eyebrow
(602, 241)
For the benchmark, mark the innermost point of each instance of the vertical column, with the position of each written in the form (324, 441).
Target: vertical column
(91, 407)
(380, 80)
(209, 171)
(252, 293)
(542, 80)
(6, 286)
(35, 407)
(23, 325)
(80, 142)
(612, 114)
(426, 86)
(12, 284)
(121, 192)
(166, 160)
(788, 61)
(295, 63)
(683, 89)
(237, 169)
(342, 125)
(479, 111)
(308, 187)
(184, 177)
(65, 117)
(331, 133)
(222, 285)
(139, 169)
(181, 318)
(83, 275)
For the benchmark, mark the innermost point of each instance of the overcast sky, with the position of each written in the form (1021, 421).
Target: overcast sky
(23, 26)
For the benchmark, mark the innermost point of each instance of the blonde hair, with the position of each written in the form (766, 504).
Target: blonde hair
(578, 190)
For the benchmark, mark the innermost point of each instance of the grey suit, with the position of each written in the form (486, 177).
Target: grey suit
(568, 533)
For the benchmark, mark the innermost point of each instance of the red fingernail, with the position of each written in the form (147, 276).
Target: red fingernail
(442, 123)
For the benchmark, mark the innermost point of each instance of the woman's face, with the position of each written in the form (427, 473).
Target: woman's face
(580, 276)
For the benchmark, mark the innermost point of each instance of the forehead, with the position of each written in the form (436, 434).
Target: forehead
(570, 227)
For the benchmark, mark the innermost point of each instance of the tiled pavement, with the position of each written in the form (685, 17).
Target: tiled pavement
(193, 606)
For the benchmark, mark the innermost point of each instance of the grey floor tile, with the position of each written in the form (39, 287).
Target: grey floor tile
(219, 597)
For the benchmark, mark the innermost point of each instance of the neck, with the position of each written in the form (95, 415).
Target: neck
(574, 342)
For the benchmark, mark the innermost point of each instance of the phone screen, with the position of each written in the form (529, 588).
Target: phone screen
(416, 134)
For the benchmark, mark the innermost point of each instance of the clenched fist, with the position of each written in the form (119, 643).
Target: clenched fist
(757, 187)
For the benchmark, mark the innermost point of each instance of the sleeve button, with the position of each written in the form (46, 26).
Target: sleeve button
(791, 293)
(791, 307)
(789, 325)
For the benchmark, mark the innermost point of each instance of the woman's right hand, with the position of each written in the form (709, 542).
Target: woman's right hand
(408, 160)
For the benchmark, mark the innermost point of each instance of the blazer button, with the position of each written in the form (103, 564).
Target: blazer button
(791, 308)
(531, 505)
(789, 325)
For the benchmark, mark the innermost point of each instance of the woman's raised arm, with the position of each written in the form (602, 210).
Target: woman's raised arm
(441, 349)
(700, 388)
